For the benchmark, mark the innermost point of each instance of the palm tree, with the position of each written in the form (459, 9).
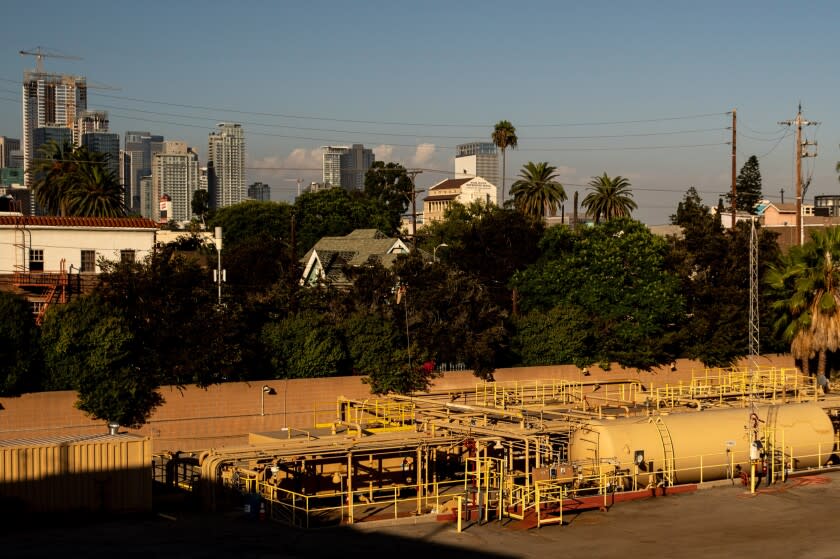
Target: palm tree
(504, 136)
(609, 198)
(50, 174)
(537, 189)
(808, 308)
(96, 191)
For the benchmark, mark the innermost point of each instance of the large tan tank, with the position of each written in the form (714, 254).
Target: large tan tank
(717, 440)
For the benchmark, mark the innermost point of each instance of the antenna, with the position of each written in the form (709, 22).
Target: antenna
(40, 54)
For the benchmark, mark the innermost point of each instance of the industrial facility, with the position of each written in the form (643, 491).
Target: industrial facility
(517, 450)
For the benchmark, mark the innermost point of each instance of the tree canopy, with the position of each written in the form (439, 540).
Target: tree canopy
(537, 192)
(609, 198)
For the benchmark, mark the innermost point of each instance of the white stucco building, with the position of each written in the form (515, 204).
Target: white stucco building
(41, 255)
(464, 191)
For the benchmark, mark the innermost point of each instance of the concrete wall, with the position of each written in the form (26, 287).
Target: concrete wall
(223, 415)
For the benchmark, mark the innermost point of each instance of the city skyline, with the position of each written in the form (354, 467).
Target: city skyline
(641, 91)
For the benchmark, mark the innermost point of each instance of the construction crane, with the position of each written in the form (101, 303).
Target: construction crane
(40, 54)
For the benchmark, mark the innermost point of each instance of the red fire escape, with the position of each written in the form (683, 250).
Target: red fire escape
(45, 288)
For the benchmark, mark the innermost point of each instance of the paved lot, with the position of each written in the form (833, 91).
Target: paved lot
(792, 520)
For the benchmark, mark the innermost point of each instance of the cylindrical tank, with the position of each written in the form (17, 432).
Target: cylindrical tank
(716, 440)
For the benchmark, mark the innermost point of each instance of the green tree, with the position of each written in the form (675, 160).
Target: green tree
(615, 274)
(305, 345)
(71, 181)
(19, 352)
(96, 191)
(336, 212)
(392, 187)
(247, 220)
(559, 335)
(609, 198)
(806, 283)
(537, 190)
(504, 136)
(200, 204)
(89, 347)
(713, 267)
(51, 173)
(747, 186)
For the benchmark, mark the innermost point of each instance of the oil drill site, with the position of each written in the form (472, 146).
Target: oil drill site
(521, 450)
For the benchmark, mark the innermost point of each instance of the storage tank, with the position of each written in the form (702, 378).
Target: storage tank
(717, 440)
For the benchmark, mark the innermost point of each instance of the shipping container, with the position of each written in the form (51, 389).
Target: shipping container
(86, 472)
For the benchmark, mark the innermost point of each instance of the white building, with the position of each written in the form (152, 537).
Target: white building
(175, 174)
(464, 191)
(42, 255)
(226, 165)
(346, 166)
(477, 159)
(49, 100)
(331, 164)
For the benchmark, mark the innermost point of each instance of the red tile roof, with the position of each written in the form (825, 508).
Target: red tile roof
(450, 183)
(55, 221)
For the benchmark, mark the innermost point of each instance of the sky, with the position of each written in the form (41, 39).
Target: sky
(641, 89)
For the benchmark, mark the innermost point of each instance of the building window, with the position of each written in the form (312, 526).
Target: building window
(127, 256)
(36, 260)
(88, 261)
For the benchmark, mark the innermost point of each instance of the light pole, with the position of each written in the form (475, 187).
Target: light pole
(219, 273)
(266, 389)
(434, 252)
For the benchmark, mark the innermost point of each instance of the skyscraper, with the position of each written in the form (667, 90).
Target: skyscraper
(226, 165)
(175, 175)
(139, 147)
(91, 131)
(477, 159)
(49, 100)
(259, 191)
(346, 166)
(8, 147)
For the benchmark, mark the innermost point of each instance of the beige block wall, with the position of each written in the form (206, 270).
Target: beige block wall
(223, 415)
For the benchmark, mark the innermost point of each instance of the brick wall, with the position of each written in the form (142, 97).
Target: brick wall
(223, 415)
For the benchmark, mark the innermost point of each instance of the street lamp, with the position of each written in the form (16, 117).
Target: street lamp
(219, 274)
(266, 389)
(434, 252)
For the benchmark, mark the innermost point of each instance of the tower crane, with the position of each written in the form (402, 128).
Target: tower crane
(40, 54)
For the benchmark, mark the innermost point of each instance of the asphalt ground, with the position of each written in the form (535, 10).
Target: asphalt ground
(791, 520)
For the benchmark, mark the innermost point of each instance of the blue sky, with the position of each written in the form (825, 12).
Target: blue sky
(639, 89)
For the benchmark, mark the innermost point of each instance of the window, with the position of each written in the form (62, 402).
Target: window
(88, 261)
(36, 260)
(127, 256)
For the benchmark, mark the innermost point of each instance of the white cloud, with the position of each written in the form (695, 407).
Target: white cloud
(422, 155)
(384, 152)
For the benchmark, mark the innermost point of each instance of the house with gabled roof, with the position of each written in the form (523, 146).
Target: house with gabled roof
(330, 257)
(47, 258)
(464, 191)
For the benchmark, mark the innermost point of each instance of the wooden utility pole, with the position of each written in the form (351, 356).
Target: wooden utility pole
(411, 174)
(800, 152)
(734, 176)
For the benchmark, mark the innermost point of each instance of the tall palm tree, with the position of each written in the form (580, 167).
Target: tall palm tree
(609, 198)
(537, 190)
(50, 174)
(504, 136)
(808, 308)
(96, 191)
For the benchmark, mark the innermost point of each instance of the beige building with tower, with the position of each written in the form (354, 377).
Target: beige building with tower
(464, 191)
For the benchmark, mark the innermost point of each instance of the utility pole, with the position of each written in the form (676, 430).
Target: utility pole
(801, 151)
(782, 192)
(734, 177)
(411, 174)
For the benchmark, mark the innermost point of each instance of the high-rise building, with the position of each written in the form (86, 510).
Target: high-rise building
(49, 100)
(175, 176)
(226, 165)
(43, 134)
(87, 122)
(7, 148)
(477, 159)
(331, 164)
(346, 166)
(259, 191)
(107, 143)
(139, 147)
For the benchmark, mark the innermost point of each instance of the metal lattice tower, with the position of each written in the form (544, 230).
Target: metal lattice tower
(753, 326)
